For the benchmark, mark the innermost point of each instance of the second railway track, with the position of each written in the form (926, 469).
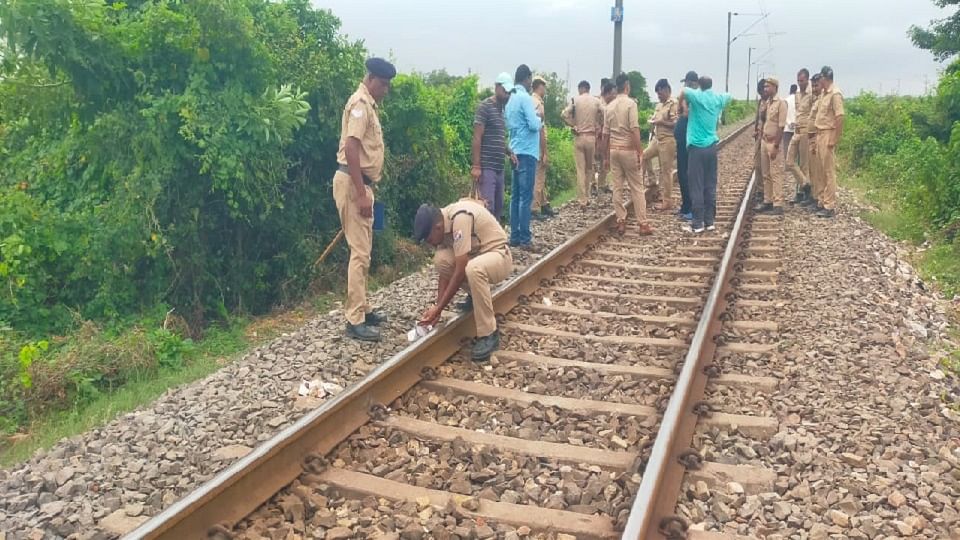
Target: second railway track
(629, 384)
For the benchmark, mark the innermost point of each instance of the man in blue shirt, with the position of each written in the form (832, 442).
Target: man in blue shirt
(524, 125)
(705, 109)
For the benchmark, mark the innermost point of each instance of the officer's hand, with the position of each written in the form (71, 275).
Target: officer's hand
(545, 160)
(475, 173)
(514, 160)
(365, 204)
(430, 316)
(831, 144)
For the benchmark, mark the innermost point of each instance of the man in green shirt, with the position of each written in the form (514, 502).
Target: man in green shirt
(705, 108)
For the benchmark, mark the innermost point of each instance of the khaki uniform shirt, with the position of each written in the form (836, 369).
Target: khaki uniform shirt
(813, 114)
(669, 111)
(620, 119)
(470, 229)
(361, 120)
(537, 104)
(776, 119)
(831, 106)
(585, 114)
(803, 102)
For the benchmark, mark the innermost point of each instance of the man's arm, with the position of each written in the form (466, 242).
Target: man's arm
(669, 119)
(530, 115)
(634, 122)
(837, 119)
(352, 151)
(475, 149)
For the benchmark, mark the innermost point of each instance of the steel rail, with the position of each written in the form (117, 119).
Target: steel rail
(660, 485)
(239, 489)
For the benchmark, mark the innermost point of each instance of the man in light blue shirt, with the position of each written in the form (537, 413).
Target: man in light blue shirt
(705, 109)
(523, 125)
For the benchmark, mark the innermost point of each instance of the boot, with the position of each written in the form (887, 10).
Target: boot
(375, 318)
(645, 229)
(485, 346)
(362, 332)
(763, 208)
(466, 305)
(548, 211)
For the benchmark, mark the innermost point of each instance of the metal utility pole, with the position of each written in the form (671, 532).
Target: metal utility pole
(749, 69)
(730, 15)
(616, 15)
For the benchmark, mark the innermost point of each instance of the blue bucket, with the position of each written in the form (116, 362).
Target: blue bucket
(379, 216)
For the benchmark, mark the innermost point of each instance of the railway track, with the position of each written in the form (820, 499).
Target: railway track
(623, 362)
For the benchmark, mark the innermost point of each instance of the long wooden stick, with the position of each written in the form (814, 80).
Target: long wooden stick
(329, 248)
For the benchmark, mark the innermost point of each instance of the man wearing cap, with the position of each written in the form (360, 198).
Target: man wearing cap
(360, 157)
(621, 128)
(829, 125)
(472, 247)
(816, 170)
(524, 126)
(541, 203)
(584, 115)
(705, 109)
(489, 148)
(798, 153)
(771, 139)
(664, 145)
(690, 80)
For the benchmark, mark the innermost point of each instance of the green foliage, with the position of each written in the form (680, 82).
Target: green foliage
(638, 90)
(943, 37)
(892, 149)
(171, 350)
(561, 170)
(738, 110)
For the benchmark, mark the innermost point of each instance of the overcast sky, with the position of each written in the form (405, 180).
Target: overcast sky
(865, 41)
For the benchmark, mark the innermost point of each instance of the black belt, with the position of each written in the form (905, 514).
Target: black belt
(366, 179)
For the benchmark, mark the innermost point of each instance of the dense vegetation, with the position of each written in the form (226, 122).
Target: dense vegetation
(162, 155)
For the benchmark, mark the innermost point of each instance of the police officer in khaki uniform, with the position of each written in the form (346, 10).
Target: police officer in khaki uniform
(799, 149)
(816, 170)
(472, 247)
(585, 116)
(541, 203)
(771, 137)
(829, 124)
(664, 145)
(361, 164)
(624, 149)
(608, 92)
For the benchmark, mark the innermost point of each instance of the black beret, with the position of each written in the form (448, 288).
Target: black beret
(378, 67)
(423, 222)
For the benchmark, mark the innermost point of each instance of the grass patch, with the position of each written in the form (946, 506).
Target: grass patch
(95, 375)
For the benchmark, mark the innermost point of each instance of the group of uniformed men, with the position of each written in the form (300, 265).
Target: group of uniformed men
(811, 152)
(473, 249)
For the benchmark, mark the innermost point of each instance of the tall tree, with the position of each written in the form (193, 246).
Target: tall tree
(942, 38)
(638, 89)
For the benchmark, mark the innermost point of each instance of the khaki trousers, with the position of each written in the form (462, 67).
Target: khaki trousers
(483, 270)
(665, 151)
(772, 181)
(358, 231)
(540, 188)
(601, 179)
(626, 174)
(828, 170)
(799, 151)
(816, 172)
(584, 148)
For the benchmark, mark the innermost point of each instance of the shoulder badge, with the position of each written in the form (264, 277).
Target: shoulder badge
(457, 236)
(356, 112)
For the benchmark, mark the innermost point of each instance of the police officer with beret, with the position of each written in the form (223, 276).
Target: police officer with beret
(360, 157)
(472, 247)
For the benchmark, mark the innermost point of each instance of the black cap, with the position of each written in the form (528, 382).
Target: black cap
(691, 76)
(378, 67)
(423, 222)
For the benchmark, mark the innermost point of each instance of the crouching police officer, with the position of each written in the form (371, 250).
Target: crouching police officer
(472, 247)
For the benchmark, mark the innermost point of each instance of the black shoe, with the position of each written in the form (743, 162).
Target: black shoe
(764, 207)
(826, 213)
(808, 202)
(363, 332)
(466, 305)
(775, 211)
(485, 346)
(538, 216)
(799, 197)
(375, 318)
